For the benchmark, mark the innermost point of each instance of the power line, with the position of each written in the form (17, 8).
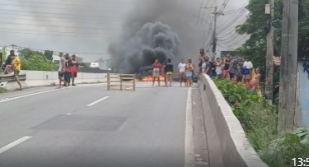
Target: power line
(96, 36)
(80, 16)
(45, 20)
(39, 25)
(60, 17)
(51, 7)
(57, 51)
(70, 33)
(72, 4)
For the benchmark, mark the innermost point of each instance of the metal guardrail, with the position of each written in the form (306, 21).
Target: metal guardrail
(11, 77)
(120, 81)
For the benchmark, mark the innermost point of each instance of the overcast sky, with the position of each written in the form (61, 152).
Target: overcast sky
(86, 27)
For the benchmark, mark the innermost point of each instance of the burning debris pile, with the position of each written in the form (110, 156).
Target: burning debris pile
(145, 74)
(136, 52)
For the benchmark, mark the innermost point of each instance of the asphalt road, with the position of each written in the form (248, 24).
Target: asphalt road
(88, 126)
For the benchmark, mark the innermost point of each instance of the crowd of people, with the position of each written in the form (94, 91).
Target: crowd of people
(228, 68)
(68, 68)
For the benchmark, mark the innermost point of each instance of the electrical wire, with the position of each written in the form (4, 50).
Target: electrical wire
(44, 31)
(58, 51)
(40, 25)
(79, 16)
(96, 36)
(71, 4)
(51, 7)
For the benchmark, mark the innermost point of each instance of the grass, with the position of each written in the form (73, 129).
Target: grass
(3, 90)
(259, 120)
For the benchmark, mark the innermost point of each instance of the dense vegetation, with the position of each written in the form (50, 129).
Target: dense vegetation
(259, 120)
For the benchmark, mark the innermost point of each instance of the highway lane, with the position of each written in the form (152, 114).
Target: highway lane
(142, 128)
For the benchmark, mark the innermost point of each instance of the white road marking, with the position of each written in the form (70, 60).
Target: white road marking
(69, 114)
(189, 145)
(14, 143)
(95, 102)
(18, 97)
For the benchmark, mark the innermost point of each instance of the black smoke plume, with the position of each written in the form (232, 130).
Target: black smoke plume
(151, 41)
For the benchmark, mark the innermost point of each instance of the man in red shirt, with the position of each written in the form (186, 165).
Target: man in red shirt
(67, 69)
(74, 69)
(156, 71)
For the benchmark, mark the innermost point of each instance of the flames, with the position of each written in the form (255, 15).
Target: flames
(150, 78)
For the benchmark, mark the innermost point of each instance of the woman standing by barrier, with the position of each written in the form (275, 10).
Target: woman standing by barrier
(226, 63)
(247, 65)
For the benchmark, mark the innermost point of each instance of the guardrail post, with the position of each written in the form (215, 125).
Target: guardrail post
(108, 81)
(120, 81)
(134, 82)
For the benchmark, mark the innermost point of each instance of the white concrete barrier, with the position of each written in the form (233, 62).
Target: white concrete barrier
(225, 130)
(47, 78)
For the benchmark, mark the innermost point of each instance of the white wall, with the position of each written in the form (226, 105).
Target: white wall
(47, 78)
(224, 129)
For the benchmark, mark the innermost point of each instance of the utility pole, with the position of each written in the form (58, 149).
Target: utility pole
(288, 76)
(214, 39)
(269, 84)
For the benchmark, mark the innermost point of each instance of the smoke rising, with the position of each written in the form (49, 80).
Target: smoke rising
(153, 40)
(156, 29)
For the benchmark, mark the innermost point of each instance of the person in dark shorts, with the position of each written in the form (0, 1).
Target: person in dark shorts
(169, 72)
(61, 71)
(74, 69)
(16, 68)
(202, 57)
(8, 63)
(67, 69)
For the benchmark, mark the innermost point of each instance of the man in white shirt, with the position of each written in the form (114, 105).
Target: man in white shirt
(182, 71)
(248, 65)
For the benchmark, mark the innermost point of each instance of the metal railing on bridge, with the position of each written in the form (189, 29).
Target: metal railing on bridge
(120, 81)
(11, 77)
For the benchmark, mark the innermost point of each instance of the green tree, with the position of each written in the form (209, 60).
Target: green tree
(48, 55)
(4, 56)
(27, 53)
(36, 63)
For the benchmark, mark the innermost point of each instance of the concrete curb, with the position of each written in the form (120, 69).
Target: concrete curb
(235, 149)
(47, 78)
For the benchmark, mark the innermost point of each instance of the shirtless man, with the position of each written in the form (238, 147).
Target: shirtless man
(256, 79)
(202, 56)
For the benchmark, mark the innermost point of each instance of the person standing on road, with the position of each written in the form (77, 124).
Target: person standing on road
(233, 67)
(256, 79)
(247, 65)
(8, 63)
(182, 71)
(218, 68)
(226, 62)
(202, 56)
(16, 68)
(213, 66)
(61, 70)
(189, 72)
(74, 69)
(207, 67)
(67, 69)
(169, 69)
(156, 71)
